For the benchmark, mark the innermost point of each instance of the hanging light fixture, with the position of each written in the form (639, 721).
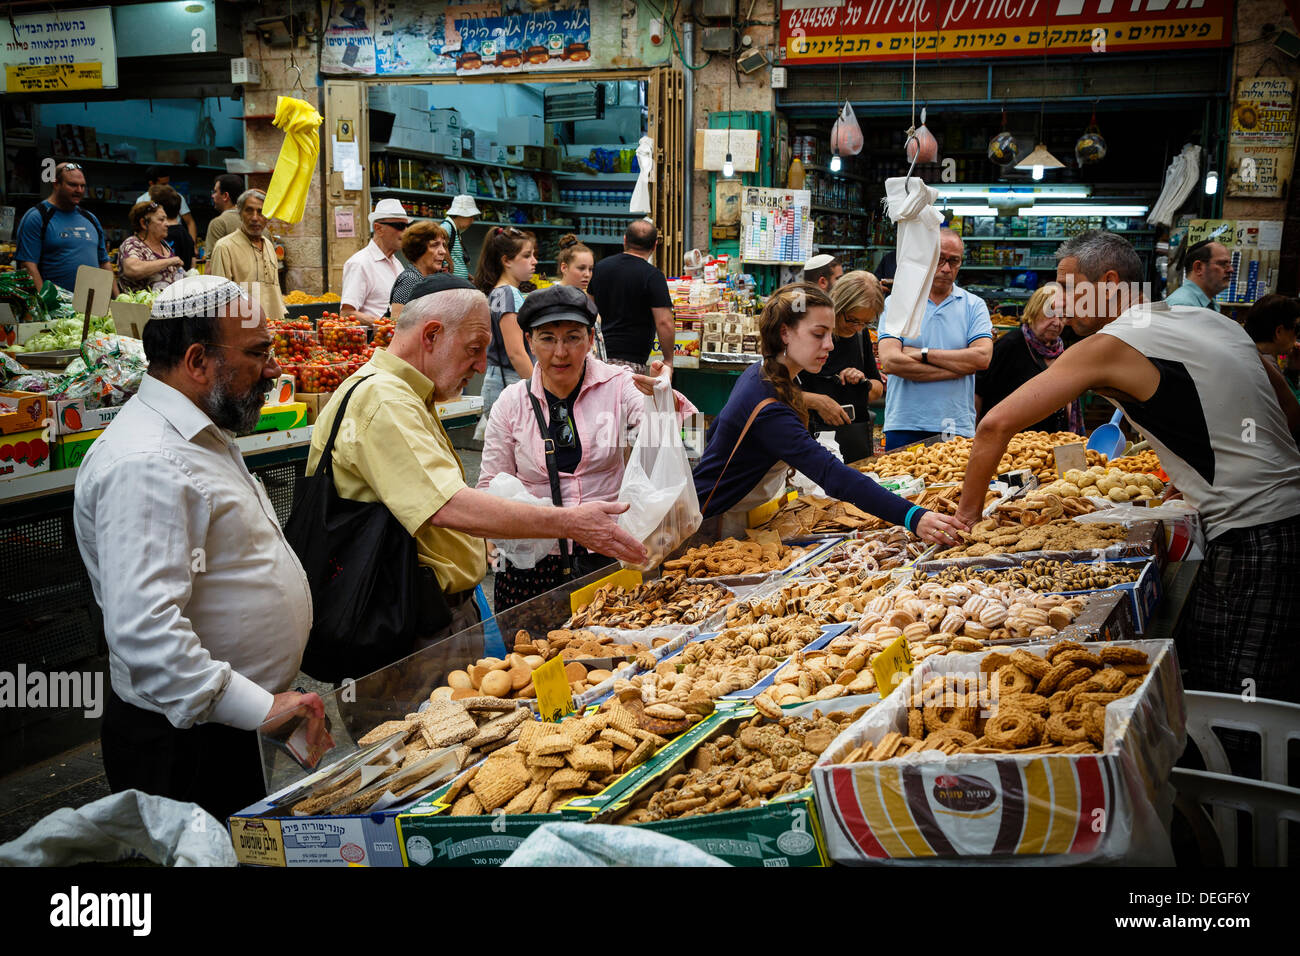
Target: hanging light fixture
(835, 162)
(1211, 183)
(728, 164)
(1041, 157)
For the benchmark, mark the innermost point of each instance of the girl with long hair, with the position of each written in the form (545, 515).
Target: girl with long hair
(506, 261)
(763, 429)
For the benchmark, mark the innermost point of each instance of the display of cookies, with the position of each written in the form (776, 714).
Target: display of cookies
(1060, 534)
(731, 557)
(547, 764)
(946, 461)
(1116, 484)
(762, 760)
(1040, 574)
(864, 557)
(1019, 702)
(663, 601)
(1147, 462)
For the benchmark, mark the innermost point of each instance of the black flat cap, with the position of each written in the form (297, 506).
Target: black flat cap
(557, 303)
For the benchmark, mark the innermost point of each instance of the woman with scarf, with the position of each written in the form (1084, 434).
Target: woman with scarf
(1024, 352)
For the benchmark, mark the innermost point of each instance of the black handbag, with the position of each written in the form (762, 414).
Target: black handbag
(371, 601)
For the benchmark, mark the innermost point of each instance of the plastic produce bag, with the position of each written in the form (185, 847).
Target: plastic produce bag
(523, 553)
(657, 482)
(846, 134)
(122, 826)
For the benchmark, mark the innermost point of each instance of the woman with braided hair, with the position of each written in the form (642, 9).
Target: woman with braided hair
(763, 429)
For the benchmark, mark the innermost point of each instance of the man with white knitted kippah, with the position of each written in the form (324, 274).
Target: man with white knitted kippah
(206, 607)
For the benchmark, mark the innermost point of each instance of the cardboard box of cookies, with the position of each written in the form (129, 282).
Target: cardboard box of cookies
(760, 815)
(983, 757)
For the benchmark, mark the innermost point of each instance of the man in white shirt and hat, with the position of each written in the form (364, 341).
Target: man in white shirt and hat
(460, 216)
(823, 270)
(368, 275)
(206, 607)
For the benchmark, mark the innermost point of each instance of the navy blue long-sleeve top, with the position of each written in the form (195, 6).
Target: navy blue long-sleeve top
(778, 435)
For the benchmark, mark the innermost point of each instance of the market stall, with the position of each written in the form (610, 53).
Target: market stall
(721, 700)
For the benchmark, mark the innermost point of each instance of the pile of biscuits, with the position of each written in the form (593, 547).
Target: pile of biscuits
(548, 764)
(475, 726)
(1116, 484)
(1018, 702)
(934, 614)
(1061, 534)
(736, 659)
(826, 601)
(761, 761)
(512, 676)
(881, 551)
(946, 461)
(731, 556)
(1037, 508)
(1144, 461)
(1039, 574)
(663, 601)
(813, 514)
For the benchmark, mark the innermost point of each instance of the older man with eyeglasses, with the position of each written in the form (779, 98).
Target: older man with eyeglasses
(932, 385)
(206, 607)
(368, 275)
(247, 256)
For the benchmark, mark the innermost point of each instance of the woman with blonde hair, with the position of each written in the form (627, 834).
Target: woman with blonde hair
(1024, 352)
(850, 378)
(763, 429)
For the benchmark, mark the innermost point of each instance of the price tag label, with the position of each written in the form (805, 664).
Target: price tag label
(554, 695)
(893, 666)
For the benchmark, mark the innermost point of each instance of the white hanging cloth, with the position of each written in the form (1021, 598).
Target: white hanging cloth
(911, 208)
(645, 160)
(1182, 176)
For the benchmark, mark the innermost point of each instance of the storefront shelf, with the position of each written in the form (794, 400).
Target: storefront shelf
(603, 177)
(385, 190)
(839, 211)
(454, 160)
(127, 162)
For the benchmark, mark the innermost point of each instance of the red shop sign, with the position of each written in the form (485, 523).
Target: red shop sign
(865, 31)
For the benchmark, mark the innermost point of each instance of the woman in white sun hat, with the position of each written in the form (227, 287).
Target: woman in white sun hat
(460, 216)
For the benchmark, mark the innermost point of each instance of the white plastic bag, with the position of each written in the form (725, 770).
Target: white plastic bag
(657, 483)
(846, 134)
(523, 553)
(805, 485)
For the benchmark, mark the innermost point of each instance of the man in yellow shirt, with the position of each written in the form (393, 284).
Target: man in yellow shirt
(247, 256)
(393, 449)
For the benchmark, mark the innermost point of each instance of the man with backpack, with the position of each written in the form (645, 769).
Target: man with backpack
(57, 236)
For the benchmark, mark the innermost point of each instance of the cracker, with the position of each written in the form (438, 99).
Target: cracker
(458, 786)
(442, 726)
(640, 755)
(543, 804)
(620, 718)
(567, 779)
(498, 728)
(496, 789)
(552, 743)
(579, 729)
(523, 801)
(529, 733)
(383, 731)
(541, 774)
(545, 760)
(648, 735)
(618, 738)
(467, 806)
(587, 757)
(505, 741)
(464, 756)
(488, 703)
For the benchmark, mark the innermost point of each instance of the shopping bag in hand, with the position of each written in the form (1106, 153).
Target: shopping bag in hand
(663, 510)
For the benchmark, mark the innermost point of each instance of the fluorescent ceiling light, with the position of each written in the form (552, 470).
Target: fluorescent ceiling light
(1059, 209)
(1038, 192)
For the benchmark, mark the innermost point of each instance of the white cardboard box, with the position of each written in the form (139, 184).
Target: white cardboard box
(521, 131)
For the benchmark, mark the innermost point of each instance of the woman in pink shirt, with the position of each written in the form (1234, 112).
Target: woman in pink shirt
(585, 407)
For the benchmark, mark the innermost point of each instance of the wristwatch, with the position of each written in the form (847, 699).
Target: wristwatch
(925, 356)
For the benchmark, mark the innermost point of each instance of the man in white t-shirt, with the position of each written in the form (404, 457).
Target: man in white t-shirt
(1225, 427)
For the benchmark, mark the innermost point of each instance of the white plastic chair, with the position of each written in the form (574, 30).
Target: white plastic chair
(1276, 722)
(1267, 803)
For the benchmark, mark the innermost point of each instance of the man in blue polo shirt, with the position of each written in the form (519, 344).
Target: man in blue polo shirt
(1207, 270)
(57, 235)
(932, 377)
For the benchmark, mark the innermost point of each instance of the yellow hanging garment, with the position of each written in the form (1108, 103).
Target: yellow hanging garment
(286, 197)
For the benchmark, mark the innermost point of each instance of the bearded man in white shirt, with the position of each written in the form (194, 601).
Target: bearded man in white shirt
(206, 607)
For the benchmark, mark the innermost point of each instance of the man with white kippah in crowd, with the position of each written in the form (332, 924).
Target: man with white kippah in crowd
(206, 607)
(823, 270)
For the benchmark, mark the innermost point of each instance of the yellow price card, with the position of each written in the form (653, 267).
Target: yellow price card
(893, 666)
(554, 695)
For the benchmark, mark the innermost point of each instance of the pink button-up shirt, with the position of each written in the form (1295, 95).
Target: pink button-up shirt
(608, 407)
(368, 278)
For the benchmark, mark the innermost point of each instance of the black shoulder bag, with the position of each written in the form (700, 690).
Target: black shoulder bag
(553, 472)
(370, 597)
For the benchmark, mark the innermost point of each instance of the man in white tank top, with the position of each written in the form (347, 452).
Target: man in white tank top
(1224, 424)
